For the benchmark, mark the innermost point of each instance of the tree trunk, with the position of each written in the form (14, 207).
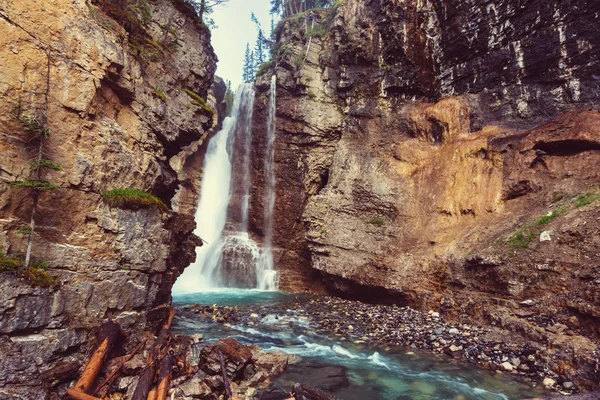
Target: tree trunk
(109, 335)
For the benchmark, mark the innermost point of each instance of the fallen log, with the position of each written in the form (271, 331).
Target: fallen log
(304, 392)
(109, 335)
(77, 395)
(144, 385)
(116, 371)
(225, 377)
(152, 394)
(164, 377)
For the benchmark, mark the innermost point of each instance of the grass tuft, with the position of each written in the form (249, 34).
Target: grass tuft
(132, 199)
(198, 100)
(36, 275)
(521, 240)
(585, 199)
(550, 216)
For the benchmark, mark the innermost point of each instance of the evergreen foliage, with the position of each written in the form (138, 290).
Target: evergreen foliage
(248, 68)
(228, 99)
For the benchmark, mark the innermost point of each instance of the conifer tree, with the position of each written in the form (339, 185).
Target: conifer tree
(248, 68)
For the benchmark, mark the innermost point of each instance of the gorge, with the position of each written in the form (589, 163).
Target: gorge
(425, 160)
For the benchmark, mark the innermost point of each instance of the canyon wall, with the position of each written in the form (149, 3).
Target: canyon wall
(444, 155)
(119, 88)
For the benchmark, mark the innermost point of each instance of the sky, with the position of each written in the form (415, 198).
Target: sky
(234, 30)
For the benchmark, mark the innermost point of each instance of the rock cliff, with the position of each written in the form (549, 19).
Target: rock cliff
(444, 154)
(119, 90)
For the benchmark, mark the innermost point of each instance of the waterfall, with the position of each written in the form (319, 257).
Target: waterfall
(230, 257)
(266, 274)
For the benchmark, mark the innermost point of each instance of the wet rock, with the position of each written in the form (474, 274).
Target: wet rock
(195, 388)
(235, 355)
(274, 362)
(506, 366)
(549, 382)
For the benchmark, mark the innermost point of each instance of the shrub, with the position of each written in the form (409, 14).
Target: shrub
(133, 199)
(10, 263)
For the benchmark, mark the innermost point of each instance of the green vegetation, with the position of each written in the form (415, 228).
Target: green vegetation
(34, 125)
(36, 274)
(46, 164)
(317, 31)
(521, 239)
(133, 199)
(586, 198)
(24, 230)
(160, 95)
(40, 186)
(197, 100)
(550, 216)
(264, 67)
(377, 221)
(525, 235)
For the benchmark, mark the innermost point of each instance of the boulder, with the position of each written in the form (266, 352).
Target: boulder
(235, 355)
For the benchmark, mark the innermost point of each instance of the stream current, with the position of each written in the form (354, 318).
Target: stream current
(333, 363)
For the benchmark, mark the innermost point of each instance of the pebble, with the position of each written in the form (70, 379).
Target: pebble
(549, 382)
(568, 385)
(507, 366)
(438, 331)
(453, 331)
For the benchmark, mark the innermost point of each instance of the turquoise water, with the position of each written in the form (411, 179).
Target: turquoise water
(348, 370)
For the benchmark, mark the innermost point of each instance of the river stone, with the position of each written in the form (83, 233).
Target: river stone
(568, 385)
(545, 236)
(438, 331)
(453, 331)
(507, 366)
(235, 355)
(549, 382)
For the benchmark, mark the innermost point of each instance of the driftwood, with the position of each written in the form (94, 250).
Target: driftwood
(109, 335)
(152, 394)
(77, 395)
(116, 371)
(225, 377)
(164, 377)
(303, 392)
(144, 385)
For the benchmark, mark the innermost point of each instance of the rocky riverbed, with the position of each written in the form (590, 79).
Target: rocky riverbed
(392, 326)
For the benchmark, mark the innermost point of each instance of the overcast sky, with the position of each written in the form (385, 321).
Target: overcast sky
(234, 30)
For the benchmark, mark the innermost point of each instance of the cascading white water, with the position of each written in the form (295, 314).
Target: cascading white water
(266, 275)
(211, 214)
(232, 258)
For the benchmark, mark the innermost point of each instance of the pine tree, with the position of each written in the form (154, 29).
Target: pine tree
(228, 99)
(248, 68)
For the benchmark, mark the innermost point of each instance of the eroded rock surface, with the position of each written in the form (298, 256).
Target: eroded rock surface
(422, 150)
(120, 110)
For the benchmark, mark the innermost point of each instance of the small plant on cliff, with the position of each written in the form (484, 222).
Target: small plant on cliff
(133, 199)
(377, 221)
(585, 199)
(36, 274)
(544, 219)
(197, 100)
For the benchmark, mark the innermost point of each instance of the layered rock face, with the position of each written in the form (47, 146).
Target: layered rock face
(426, 151)
(119, 111)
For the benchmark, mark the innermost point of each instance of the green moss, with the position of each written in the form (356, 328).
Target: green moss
(377, 221)
(40, 277)
(197, 100)
(132, 199)
(46, 164)
(585, 199)
(35, 185)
